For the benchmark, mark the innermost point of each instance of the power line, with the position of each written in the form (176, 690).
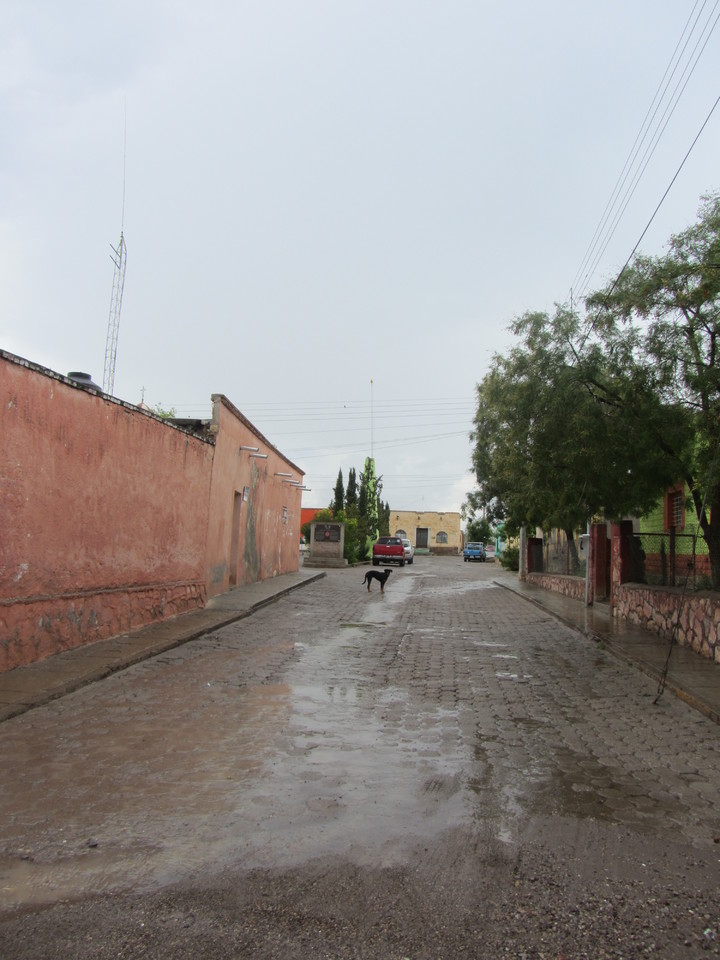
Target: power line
(662, 199)
(613, 214)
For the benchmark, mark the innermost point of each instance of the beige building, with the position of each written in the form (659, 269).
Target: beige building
(428, 530)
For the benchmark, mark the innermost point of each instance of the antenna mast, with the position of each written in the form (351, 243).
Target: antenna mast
(119, 258)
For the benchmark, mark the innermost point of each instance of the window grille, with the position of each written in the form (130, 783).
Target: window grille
(675, 509)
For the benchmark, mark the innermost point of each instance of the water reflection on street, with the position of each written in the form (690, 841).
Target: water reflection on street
(333, 723)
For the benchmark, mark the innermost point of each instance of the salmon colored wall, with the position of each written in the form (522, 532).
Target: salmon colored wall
(307, 514)
(256, 537)
(103, 515)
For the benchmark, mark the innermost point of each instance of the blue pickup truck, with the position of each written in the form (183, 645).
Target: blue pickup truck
(474, 551)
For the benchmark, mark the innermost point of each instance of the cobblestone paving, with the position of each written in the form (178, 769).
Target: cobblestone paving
(342, 723)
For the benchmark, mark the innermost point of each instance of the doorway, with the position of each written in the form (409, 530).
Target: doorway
(235, 539)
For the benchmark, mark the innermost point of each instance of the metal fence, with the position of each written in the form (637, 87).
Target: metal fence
(563, 556)
(671, 560)
(665, 559)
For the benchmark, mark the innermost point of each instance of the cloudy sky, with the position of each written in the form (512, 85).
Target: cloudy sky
(322, 194)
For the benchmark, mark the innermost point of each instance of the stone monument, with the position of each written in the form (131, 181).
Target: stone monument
(327, 541)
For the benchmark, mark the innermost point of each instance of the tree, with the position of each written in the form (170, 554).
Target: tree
(661, 317)
(383, 519)
(165, 413)
(548, 450)
(339, 495)
(598, 415)
(351, 493)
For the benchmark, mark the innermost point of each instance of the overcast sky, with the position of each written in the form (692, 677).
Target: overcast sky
(323, 194)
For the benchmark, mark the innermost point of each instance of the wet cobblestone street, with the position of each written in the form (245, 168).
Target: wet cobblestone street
(442, 770)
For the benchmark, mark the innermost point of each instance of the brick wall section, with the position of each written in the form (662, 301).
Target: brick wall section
(655, 608)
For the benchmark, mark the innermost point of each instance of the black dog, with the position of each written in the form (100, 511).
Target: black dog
(374, 575)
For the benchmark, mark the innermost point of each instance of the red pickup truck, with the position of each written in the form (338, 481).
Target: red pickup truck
(388, 550)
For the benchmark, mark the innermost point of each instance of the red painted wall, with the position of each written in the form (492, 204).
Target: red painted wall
(103, 516)
(255, 511)
(111, 518)
(307, 514)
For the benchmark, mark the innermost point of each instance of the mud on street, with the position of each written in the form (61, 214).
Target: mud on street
(443, 771)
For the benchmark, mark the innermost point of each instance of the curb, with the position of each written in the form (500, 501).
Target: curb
(621, 654)
(153, 648)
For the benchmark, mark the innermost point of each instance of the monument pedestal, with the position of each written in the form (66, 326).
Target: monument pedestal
(327, 544)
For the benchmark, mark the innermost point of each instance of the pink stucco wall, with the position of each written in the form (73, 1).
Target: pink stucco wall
(254, 532)
(103, 515)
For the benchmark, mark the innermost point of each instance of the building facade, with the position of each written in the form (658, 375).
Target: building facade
(429, 531)
(113, 518)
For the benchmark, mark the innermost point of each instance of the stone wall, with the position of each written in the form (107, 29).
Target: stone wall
(573, 587)
(655, 608)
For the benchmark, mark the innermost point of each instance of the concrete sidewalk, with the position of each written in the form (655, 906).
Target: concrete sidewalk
(688, 675)
(28, 687)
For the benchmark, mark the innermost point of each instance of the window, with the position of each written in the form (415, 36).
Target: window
(401, 534)
(675, 509)
(442, 537)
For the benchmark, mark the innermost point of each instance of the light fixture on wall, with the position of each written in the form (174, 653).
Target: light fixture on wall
(259, 456)
(283, 474)
(243, 447)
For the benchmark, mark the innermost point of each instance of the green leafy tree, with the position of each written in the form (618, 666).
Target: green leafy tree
(548, 450)
(599, 415)
(482, 519)
(166, 413)
(660, 320)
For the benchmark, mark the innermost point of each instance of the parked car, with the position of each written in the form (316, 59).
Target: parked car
(474, 551)
(409, 550)
(388, 550)
(490, 552)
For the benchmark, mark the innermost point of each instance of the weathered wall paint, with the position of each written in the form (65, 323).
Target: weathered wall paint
(254, 510)
(434, 522)
(103, 515)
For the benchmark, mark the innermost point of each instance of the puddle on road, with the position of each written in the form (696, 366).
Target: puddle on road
(267, 756)
(183, 766)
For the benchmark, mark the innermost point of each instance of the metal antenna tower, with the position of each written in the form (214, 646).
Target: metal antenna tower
(119, 258)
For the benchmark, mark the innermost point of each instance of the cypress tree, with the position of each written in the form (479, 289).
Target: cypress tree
(339, 495)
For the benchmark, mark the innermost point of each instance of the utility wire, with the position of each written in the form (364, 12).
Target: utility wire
(622, 177)
(612, 215)
(662, 199)
(647, 157)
